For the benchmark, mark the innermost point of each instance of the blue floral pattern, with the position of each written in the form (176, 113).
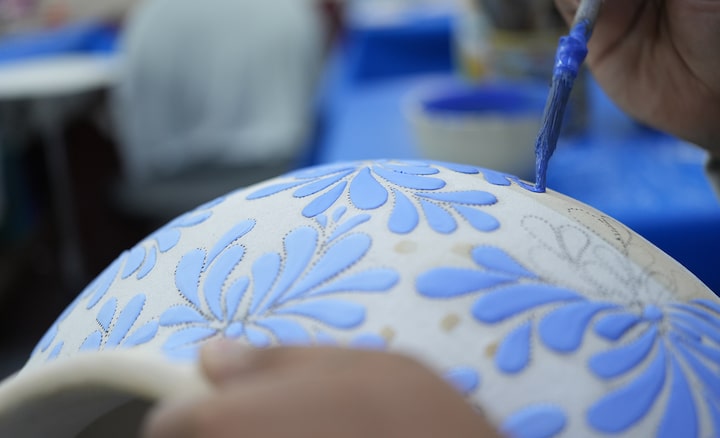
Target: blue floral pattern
(115, 328)
(264, 307)
(138, 260)
(644, 338)
(413, 187)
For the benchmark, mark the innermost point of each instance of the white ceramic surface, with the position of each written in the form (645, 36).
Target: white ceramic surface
(551, 316)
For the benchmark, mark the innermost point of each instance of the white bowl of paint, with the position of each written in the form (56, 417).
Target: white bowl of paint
(492, 125)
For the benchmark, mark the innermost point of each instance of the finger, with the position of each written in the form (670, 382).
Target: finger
(226, 360)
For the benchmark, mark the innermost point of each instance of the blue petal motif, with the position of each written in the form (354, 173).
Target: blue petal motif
(102, 283)
(404, 217)
(273, 189)
(135, 259)
(372, 280)
(234, 296)
(107, 313)
(438, 218)
(323, 202)
(475, 197)
(621, 409)
(366, 341)
(417, 168)
(412, 182)
(509, 301)
(495, 259)
(563, 329)
(535, 422)
(680, 418)
(319, 185)
(618, 361)
(217, 275)
(459, 168)
(92, 342)
(513, 355)
(349, 225)
(257, 337)
(126, 320)
(479, 220)
(188, 336)
(615, 325)
(229, 238)
(265, 270)
(142, 335)
(366, 193)
(453, 282)
(465, 379)
(335, 313)
(180, 315)
(187, 275)
(339, 256)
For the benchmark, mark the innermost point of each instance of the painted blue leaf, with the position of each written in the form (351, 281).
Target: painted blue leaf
(680, 418)
(495, 259)
(286, 331)
(513, 354)
(702, 313)
(409, 181)
(320, 171)
(615, 325)
(234, 296)
(685, 330)
(474, 197)
(698, 325)
(452, 282)
(257, 338)
(134, 260)
(372, 280)
(653, 313)
(620, 360)
(149, 263)
(478, 219)
(196, 218)
(460, 168)
(107, 313)
(180, 315)
(265, 270)
(326, 200)
(412, 169)
(339, 213)
(465, 379)
(712, 305)
(102, 283)
(125, 320)
(366, 193)
(621, 409)
(92, 342)
(142, 335)
(56, 351)
(496, 178)
(273, 189)
(317, 186)
(438, 218)
(404, 217)
(368, 341)
(300, 245)
(340, 256)
(709, 378)
(538, 421)
(235, 330)
(187, 275)
(218, 275)
(512, 300)
(349, 225)
(229, 238)
(322, 220)
(167, 238)
(712, 353)
(335, 313)
(188, 337)
(714, 410)
(563, 329)
(47, 339)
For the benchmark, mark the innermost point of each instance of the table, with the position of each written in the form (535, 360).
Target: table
(51, 85)
(651, 182)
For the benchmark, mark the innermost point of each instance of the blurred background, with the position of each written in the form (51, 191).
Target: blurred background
(117, 115)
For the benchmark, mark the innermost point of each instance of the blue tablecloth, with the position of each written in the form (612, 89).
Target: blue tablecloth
(651, 182)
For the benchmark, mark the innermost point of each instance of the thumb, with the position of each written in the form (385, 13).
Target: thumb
(225, 360)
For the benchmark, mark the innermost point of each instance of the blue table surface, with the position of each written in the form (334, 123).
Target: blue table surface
(651, 182)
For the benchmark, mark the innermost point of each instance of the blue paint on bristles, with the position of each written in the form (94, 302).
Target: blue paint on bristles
(570, 55)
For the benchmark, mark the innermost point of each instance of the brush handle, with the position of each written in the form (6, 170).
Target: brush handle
(587, 12)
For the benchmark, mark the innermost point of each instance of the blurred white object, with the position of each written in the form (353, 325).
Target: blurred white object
(216, 83)
(493, 126)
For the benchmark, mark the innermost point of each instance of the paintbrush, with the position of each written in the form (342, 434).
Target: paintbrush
(570, 55)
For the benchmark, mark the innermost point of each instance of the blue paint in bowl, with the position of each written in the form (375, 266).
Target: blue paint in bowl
(497, 99)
